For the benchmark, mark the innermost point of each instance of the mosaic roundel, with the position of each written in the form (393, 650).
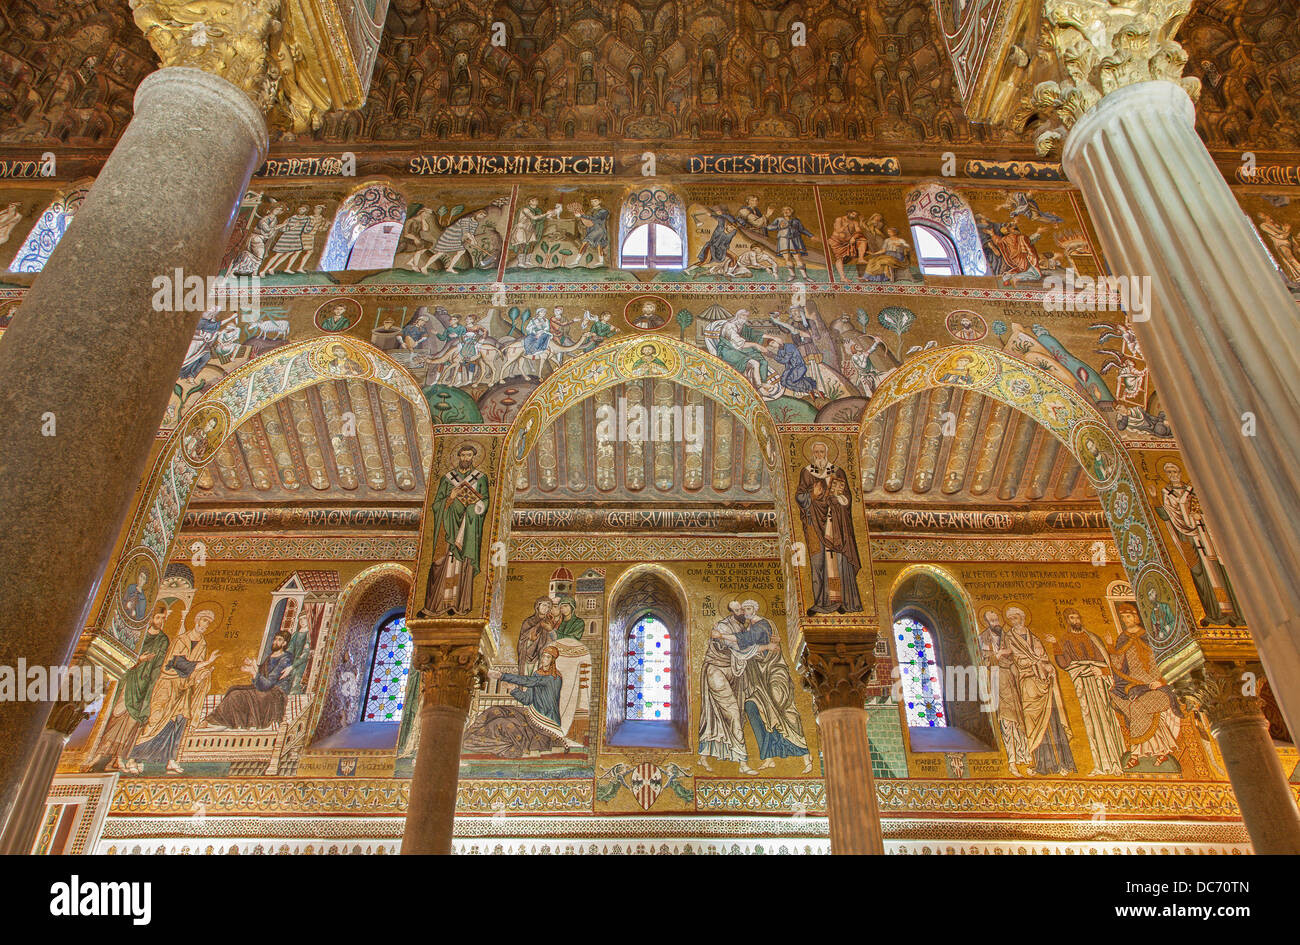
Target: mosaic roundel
(204, 432)
(1158, 601)
(341, 358)
(338, 314)
(651, 359)
(965, 368)
(136, 588)
(1096, 453)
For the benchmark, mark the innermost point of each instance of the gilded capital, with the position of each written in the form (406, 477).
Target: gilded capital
(1225, 692)
(66, 716)
(837, 668)
(1098, 47)
(450, 673)
(235, 39)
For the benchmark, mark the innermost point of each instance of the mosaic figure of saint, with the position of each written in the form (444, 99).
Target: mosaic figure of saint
(458, 514)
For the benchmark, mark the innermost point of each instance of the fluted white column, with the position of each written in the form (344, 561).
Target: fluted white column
(1222, 342)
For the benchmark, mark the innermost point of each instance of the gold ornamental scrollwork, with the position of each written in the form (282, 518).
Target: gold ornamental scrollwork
(450, 673)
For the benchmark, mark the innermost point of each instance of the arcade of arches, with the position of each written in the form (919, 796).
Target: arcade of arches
(682, 427)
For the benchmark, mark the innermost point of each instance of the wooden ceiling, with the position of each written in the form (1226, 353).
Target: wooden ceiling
(994, 455)
(717, 461)
(339, 441)
(688, 70)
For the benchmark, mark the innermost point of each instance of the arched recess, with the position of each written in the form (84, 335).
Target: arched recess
(934, 204)
(49, 228)
(206, 427)
(640, 591)
(367, 228)
(351, 643)
(633, 359)
(938, 598)
(1088, 437)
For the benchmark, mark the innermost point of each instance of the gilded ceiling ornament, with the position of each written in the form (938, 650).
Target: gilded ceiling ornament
(1101, 46)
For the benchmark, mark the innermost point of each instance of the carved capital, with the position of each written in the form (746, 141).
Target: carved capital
(837, 668)
(1100, 46)
(1225, 692)
(450, 673)
(235, 39)
(66, 716)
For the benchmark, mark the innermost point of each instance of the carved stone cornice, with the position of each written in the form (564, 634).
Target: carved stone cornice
(1225, 692)
(450, 673)
(235, 39)
(837, 667)
(1098, 47)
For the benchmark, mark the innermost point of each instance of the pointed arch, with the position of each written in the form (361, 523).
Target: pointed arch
(1087, 436)
(659, 357)
(211, 422)
(367, 228)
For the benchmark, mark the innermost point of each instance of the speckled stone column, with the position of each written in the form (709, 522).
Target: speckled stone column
(1222, 341)
(1240, 728)
(87, 353)
(837, 668)
(450, 674)
(28, 811)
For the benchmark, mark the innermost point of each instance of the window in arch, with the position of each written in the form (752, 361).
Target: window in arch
(935, 252)
(946, 213)
(649, 671)
(366, 230)
(47, 232)
(389, 671)
(918, 662)
(652, 230)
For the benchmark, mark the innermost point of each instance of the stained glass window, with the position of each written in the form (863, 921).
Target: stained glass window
(919, 664)
(47, 232)
(389, 672)
(649, 659)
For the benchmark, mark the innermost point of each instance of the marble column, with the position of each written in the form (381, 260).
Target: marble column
(450, 674)
(88, 364)
(1238, 724)
(837, 669)
(1222, 341)
(28, 810)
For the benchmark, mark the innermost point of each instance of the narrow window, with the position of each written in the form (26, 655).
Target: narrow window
(649, 671)
(935, 252)
(389, 669)
(918, 662)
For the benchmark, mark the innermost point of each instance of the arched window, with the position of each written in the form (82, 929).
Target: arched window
(945, 213)
(649, 671)
(47, 232)
(390, 668)
(646, 675)
(935, 252)
(366, 230)
(918, 662)
(652, 230)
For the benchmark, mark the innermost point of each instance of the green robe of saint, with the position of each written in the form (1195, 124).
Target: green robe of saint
(137, 682)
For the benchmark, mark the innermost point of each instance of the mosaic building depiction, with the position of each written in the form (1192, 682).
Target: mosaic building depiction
(651, 430)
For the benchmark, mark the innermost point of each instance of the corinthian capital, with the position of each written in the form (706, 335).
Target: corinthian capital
(236, 40)
(837, 667)
(1225, 692)
(1100, 46)
(451, 672)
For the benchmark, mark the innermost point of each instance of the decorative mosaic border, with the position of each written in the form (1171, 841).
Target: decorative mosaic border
(308, 547)
(525, 547)
(1018, 548)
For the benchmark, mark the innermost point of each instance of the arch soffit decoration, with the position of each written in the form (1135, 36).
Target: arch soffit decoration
(948, 582)
(616, 363)
(1105, 460)
(237, 397)
(344, 609)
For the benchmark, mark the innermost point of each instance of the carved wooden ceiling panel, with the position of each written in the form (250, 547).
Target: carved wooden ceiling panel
(655, 70)
(340, 441)
(950, 445)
